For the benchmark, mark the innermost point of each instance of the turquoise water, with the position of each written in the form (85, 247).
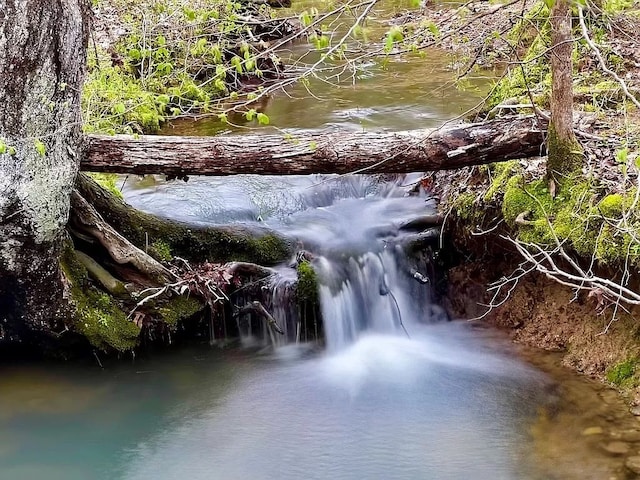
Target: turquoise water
(438, 405)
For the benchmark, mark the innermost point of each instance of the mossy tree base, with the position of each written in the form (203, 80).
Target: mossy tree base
(103, 225)
(565, 155)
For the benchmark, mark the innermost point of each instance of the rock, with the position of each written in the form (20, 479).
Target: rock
(592, 431)
(616, 448)
(629, 435)
(633, 464)
(609, 396)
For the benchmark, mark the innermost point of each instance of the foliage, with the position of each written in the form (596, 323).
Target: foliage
(108, 181)
(175, 58)
(532, 73)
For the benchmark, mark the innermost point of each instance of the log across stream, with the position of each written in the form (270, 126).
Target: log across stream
(301, 152)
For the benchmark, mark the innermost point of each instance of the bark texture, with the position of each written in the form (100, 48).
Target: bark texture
(565, 153)
(320, 152)
(42, 61)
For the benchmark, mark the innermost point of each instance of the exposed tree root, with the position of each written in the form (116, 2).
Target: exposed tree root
(86, 219)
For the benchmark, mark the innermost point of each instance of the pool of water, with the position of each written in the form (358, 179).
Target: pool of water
(452, 402)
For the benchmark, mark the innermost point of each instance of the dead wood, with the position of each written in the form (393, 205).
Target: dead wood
(449, 147)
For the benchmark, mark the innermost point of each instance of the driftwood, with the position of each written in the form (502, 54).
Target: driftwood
(257, 308)
(319, 152)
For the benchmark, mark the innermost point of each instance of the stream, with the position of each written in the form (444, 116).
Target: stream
(397, 392)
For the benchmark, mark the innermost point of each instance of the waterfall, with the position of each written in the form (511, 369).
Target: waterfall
(366, 279)
(368, 293)
(356, 229)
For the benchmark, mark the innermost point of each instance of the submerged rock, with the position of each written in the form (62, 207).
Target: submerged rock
(616, 448)
(592, 431)
(633, 464)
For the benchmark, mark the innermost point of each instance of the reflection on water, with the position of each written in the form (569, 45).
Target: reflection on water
(374, 93)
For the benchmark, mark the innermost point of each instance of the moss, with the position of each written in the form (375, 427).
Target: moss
(466, 208)
(179, 308)
(97, 315)
(160, 251)
(622, 374)
(501, 173)
(104, 324)
(611, 206)
(520, 197)
(108, 181)
(270, 248)
(307, 288)
(565, 155)
(568, 216)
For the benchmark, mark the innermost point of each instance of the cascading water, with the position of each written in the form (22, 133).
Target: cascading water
(352, 228)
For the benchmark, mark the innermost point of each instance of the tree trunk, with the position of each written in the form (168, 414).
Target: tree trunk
(564, 151)
(42, 62)
(319, 152)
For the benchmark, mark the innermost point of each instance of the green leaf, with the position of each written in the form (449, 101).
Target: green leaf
(237, 63)
(263, 119)
(119, 108)
(622, 155)
(12, 151)
(305, 18)
(388, 43)
(40, 147)
(134, 54)
(250, 115)
(3, 147)
(223, 117)
(433, 28)
(220, 85)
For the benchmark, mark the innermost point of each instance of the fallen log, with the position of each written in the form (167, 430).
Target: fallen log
(446, 148)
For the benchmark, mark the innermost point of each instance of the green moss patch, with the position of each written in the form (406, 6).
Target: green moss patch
(307, 283)
(623, 374)
(98, 317)
(179, 308)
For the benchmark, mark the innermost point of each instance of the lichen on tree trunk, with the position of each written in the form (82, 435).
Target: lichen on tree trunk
(42, 63)
(564, 151)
